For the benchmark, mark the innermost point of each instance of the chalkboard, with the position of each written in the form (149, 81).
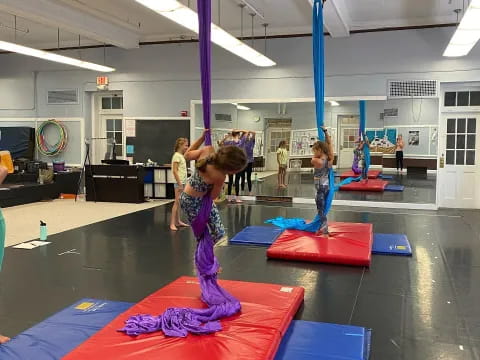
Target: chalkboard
(20, 141)
(155, 139)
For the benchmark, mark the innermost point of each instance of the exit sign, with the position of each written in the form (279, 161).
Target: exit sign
(102, 80)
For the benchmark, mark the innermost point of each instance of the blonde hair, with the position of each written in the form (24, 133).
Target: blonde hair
(227, 159)
(180, 142)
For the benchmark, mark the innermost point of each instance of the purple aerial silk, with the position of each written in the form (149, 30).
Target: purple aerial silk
(178, 322)
(204, 23)
(355, 168)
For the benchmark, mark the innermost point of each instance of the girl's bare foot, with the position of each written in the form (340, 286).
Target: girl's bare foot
(182, 224)
(4, 339)
(173, 228)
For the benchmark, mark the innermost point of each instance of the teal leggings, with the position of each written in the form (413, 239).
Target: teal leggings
(2, 237)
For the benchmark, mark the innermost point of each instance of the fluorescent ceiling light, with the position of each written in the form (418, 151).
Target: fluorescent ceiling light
(241, 107)
(334, 103)
(46, 55)
(467, 33)
(188, 18)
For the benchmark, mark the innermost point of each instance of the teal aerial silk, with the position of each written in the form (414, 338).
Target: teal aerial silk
(319, 82)
(361, 130)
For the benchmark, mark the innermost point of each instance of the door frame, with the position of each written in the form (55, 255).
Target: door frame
(97, 126)
(340, 128)
(268, 132)
(442, 144)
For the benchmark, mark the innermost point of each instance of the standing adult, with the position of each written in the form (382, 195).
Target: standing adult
(248, 145)
(399, 152)
(236, 138)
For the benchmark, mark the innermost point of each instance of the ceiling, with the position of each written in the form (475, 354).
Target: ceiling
(285, 17)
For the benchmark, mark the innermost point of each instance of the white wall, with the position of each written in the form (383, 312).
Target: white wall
(161, 80)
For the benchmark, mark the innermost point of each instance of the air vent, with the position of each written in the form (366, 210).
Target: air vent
(223, 117)
(62, 97)
(390, 112)
(398, 89)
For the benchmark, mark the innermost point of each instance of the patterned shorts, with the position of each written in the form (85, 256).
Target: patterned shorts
(191, 206)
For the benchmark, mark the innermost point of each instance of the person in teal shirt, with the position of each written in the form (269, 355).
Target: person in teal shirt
(3, 175)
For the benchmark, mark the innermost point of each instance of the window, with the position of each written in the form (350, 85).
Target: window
(349, 138)
(276, 136)
(112, 103)
(461, 98)
(115, 132)
(450, 99)
(461, 140)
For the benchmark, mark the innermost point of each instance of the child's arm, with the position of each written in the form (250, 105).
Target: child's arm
(175, 174)
(193, 152)
(3, 174)
(217, 189)
(330, 154)
(366, 141)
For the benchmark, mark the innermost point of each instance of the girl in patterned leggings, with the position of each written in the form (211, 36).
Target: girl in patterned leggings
(211, 170)
(322, 161)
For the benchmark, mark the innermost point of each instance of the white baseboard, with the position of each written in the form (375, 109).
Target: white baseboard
(394, 171)
(374, 204)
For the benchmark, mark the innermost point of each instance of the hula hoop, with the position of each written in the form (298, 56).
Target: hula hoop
(48, 149)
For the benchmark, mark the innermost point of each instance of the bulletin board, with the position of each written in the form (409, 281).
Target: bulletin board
(302, 141)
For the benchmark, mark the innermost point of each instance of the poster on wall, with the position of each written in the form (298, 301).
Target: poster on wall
(414, 138)
(130, 127)
(382, 140)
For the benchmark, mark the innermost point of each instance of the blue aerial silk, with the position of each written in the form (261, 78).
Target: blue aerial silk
(319, 82)
(319, 65)
(363, 117)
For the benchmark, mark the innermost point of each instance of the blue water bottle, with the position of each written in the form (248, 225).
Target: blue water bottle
(43, 231)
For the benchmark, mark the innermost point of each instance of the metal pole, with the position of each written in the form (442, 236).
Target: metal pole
(253, 33)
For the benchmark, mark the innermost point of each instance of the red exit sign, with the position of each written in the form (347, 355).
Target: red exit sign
(102, 80)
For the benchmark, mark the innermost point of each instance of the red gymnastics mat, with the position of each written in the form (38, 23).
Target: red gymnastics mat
(374, 185)
(255, 333)
(348, 244)
(372, 174)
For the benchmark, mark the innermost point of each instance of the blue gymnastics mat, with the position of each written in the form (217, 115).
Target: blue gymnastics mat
(257, 235)
(59, 334)
(306, 340)
(394, 188)
(386, 177)
(391, 244)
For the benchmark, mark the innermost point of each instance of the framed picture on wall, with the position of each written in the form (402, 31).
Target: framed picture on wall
(414, 138)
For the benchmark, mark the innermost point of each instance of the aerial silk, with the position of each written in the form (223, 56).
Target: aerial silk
(179, 322)
(361, 133)
(319, 82)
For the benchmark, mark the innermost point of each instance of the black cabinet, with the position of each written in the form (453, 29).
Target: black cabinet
(114, 183)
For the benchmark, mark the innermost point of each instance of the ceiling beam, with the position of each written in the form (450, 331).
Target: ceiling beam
(52, 13)
(335, 18)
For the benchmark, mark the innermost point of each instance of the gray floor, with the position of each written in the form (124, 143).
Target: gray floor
(423, 307)
(417, 189)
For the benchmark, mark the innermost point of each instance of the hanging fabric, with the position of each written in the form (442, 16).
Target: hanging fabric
(362, 132)
(319, 66)
(179, 322)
